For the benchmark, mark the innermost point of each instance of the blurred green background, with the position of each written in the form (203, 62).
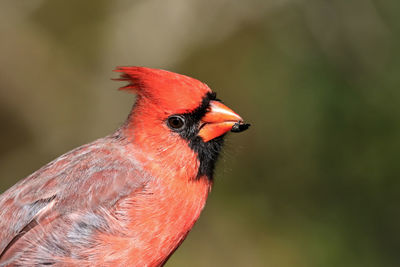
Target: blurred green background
(314, 182)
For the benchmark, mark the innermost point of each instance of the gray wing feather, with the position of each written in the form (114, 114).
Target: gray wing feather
(76, 190)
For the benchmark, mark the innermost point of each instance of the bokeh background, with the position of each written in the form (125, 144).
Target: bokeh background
(314, 182)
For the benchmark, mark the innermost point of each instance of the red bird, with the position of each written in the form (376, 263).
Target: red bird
(130, 198)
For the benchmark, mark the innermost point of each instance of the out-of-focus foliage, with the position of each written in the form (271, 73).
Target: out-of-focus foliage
(314, 182)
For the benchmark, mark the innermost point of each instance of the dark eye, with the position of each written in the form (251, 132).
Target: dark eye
(176, 122)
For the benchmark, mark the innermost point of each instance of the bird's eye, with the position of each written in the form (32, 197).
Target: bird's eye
(176, 122)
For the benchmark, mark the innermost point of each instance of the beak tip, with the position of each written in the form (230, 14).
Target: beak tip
(240, 127)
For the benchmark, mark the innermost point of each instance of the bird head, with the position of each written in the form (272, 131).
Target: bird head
(177, 119)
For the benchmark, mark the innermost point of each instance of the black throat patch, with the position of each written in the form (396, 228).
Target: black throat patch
(207, 152)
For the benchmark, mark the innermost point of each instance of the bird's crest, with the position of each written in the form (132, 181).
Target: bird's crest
(165, 88)
(135, 76)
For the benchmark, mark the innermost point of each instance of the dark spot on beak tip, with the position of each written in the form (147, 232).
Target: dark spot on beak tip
(240, 127)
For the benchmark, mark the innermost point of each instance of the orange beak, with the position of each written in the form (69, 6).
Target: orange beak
(219, 120)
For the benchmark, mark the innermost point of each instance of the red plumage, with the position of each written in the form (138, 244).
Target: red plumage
(128, 199)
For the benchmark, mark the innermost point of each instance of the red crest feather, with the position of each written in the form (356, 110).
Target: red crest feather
(168, 89)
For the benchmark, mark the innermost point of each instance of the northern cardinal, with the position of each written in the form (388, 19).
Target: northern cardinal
(130, 198)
